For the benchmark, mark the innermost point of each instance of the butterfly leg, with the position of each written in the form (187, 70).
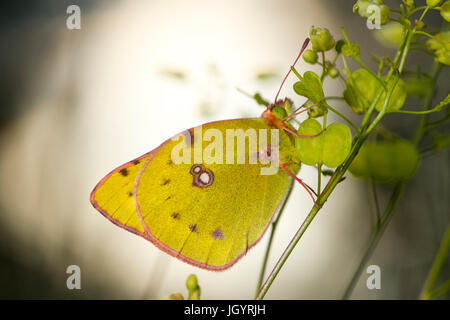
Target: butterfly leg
(304, 185)
(296, 112)
(300, 136)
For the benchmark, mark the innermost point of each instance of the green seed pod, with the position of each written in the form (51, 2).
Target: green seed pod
(365, 8)
(195, 295)
(176, 296)
(350, 49)
(440, 44)
(191, 282)
(417, 84)
(330, 148)
(309, 149)
(445, 11)
(339, 45)
(419, 24)
(397, 99)
(310, 56)
(279, 112)
(390, 35)
(361, 7)
(321, 39)
(362, 90)
(333, 72)
(387, 161)
(433, 3)
(352, 100)
(409, 4)
(385, 13)
(337, 142)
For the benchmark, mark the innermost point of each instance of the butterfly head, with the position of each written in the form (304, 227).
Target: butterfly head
(277, 112)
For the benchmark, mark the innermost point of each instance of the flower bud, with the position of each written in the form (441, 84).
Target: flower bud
(445, 11)
(321, 39)
(433, 3)
(310, 56)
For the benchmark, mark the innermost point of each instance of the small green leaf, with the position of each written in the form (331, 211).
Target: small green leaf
(440, 44)
(310, 87)
(350, 49)
(445, 11)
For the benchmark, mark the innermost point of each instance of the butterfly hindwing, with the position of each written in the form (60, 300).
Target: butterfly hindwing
(113, 195)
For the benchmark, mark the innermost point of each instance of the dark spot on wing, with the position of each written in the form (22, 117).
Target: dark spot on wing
(136, 161)
(193, 227)
(217, 234)
(169, 197)
(203, 177)
(166, 181)
(130, 194)
(124, 172)
(170, 162)
(175, 215)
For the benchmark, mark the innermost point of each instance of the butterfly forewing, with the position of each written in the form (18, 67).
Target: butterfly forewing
(210, 214)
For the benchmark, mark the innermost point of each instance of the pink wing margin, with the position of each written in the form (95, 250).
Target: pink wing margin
(149, 155)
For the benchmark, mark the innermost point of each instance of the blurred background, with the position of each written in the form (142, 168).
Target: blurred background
(77, 103)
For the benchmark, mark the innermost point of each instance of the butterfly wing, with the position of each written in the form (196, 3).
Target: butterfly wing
(213, 222)
(113, 195)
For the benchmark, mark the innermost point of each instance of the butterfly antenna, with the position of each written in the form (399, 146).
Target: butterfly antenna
(305, 44)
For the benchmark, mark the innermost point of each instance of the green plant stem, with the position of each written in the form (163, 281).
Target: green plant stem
(409, 37)
(365, 129)
(263, 290)
(426, 34)
(394, 196)
(377, 205)
(441, 256)
(343, 117)
(324, 72)
(326, 192)
(443, 289)
(376, 236)
(422, 126)
(272, 233)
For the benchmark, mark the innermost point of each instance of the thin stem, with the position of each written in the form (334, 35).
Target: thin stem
(343, 117)
(393, 200)
(375, 238)
(272, 232)
(415, 10)
(438, 263)
(408, 41)
(426, 34)
(421, 127)
(322, 76)
(443, 289)
(377, 206)
(365, 129)
(286, 253)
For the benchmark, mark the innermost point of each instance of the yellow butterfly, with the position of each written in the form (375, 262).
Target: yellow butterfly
(200, 199)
